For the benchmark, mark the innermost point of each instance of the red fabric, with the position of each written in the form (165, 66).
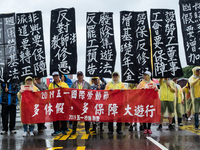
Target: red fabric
(73, 108)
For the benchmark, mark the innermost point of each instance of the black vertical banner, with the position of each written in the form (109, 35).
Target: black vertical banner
(135, 45)
(30, 44)
(100, 50)
(190, 22)
(63, 41)
(9, 65)
(128, 54)
(142, 43)
(166, 62)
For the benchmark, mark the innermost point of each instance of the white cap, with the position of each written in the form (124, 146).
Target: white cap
(148, 73)
(55, 73)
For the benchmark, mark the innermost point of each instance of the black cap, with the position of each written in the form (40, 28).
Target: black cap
(79, 73)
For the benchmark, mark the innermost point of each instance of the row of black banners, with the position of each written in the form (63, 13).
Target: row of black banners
(22, 50)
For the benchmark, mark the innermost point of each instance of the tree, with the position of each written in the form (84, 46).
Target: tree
(187, 71)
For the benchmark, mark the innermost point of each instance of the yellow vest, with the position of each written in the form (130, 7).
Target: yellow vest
(179, 94)
(143, 83)
(62, 84)
(112, 85)
(165, 93)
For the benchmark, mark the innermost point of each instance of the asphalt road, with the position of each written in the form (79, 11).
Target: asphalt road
(183, 138)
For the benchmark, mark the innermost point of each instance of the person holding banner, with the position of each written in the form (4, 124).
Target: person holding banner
(194, 81)
(67, 80)
(147, 83)
(28, 86)
(38, 83)
(167, 90)
(114, 85)
(57, 83)
(97, 86)
(81, 84)
(178, 100)
(9, 100)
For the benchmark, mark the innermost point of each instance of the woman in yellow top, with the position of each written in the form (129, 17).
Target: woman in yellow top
(28, 81)
(113, 85)
(147, 83)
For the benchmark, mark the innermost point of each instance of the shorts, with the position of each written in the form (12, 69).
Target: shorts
(167, 104)
(189, 105)
(196, 105)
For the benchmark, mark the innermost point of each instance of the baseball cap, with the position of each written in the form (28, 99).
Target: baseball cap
(79, 73)
(148, 73)
(55, 73)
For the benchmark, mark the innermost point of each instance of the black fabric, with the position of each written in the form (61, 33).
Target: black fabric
(57, 128)
(12, 91)
(166, 62)
(110, 126)
(30, 43)
(100, 44)
(145, 125)
(189, 16)
(135, 46)
(87, 125)
(63, 50)
(8, 112)
(9, 64)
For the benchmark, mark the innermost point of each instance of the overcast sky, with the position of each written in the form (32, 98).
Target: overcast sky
(83, 6)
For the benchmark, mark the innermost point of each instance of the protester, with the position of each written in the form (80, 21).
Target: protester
(113, 85)
(29, 82)
(177, 102)
(189, 103)
(64, 78)
(9, 102)
(81, 84)
(167, 90)
(97, 86)
(38, 83)
(57, 83)
(147, 83)
(194, 81)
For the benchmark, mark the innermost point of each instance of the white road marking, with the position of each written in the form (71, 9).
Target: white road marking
(157, 143)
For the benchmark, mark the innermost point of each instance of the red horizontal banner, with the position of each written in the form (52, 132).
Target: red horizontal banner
(90, 105)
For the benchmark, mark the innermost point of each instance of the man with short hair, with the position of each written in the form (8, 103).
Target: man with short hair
(81, 84)
(57, 83)
(114, 85)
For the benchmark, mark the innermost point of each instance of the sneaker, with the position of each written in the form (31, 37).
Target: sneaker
(141, 128)
(119, 132)
(145, 131)
(159, 127)
(64, 132)
(55, 133)
(131, 128)
(67, 130)
(73, 132)
(171, 127)
(87, 132)
(149, 131)
(3, 132)
(25, 134)
(180, 124)
(13, 132)
(31, 133)
(110, 132)
(189, 119)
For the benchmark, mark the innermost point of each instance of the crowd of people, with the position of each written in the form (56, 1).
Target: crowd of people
(173, 99)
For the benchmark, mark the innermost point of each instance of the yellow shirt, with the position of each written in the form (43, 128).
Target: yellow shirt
(117, 85)
(143, 83)
(61, 84)
(166, 93)
(179, 94)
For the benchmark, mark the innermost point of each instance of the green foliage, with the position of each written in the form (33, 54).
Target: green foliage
(187, 71)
